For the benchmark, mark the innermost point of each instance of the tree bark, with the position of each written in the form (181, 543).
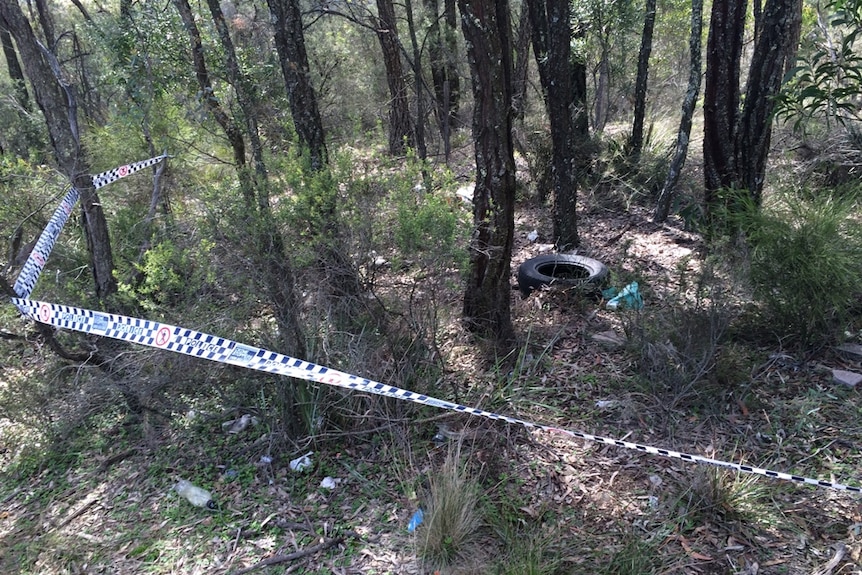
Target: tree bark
(637, 137)
(721, 96)
(688, 104)
(290, 46)
(778, 34)
(552, 34)
(736, 142)
(485, 24)
(56, 99)
(400, 125)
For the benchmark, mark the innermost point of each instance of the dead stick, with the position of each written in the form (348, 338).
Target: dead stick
(840, 551)
(275, 560)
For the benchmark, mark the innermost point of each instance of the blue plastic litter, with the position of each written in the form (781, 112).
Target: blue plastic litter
(629, 297)
(416, 520)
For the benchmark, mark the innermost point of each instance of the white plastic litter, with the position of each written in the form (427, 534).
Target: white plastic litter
(329, 482)
(302, 463)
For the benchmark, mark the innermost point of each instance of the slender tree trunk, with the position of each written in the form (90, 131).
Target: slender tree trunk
(400, 125)
(211, 103)
(418, 83)
(776, 43)
(16, 74)
(688, 105)
(290, 45)
(721, 96)
(637, 137)
(552, 34)
(603, 87)
(268, 248)
(56, 99)
(487, 310)
(523, 37)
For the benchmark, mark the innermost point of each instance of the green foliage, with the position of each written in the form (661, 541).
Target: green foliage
(171, 274)
(827, 80)
(806, 262)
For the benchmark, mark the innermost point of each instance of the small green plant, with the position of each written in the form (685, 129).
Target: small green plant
(452, 518)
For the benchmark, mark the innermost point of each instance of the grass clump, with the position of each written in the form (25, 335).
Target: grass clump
(452, 517)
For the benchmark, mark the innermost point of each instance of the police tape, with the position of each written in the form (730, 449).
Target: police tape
(105, 178)
(35, 263)
(32, 268)
(197, 344)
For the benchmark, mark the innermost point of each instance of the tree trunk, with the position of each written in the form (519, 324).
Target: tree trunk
(400, 126)
(776, 43)
(444, 74)
(552, 34)
(56, 100)
(421, 150)
(688, 104)
(16, 74)
(523, 37)
(603, 87)
(268, 246)
(721, 96)
(487, 310)
(637, 137)
(290, 45)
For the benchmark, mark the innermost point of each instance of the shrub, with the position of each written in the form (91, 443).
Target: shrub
(806, 262)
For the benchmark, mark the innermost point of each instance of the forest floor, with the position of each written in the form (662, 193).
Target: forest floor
(102, 502)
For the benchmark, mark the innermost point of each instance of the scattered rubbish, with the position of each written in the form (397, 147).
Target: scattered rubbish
(532, 236)
(265, 459)
(465, 193)
(607, 403)
(239, 425)
(301, 463)
(194, 494)
(628, 297)
(231, 474)
(848, 378)
(416, 520)
(329, 482)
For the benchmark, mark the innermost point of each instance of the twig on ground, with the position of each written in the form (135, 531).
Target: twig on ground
(276, 559)
(840, 551)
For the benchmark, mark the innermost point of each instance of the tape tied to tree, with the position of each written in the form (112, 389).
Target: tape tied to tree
(32, 269)
(222, 350)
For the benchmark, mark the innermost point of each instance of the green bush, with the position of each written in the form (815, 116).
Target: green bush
(806, 262)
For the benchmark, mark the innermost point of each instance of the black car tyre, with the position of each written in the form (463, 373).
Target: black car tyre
(560, 270)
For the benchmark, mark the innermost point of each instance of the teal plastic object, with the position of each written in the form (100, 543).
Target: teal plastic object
(629, 297)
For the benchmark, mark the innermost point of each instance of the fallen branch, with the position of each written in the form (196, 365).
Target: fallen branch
(840, 551)
(276, 559)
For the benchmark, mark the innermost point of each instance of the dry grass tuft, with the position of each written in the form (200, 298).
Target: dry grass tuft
(452, 519)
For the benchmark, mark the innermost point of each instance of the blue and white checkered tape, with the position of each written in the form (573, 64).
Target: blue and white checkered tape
(222, 350)
(35, 263)
(32, 269)
(214, 348)
(105, 178)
